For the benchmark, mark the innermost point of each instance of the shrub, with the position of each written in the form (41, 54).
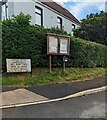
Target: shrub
(93, 28)
(22, 40)
(86, 54)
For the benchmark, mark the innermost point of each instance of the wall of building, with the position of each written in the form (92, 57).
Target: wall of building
(49, 15)
(10, 9)
(14, 8)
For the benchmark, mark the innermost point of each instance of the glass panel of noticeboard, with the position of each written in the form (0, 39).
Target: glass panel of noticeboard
(53, 45)
(63, 46)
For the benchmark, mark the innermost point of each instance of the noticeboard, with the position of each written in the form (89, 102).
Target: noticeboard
(18, 65)
(58, 44)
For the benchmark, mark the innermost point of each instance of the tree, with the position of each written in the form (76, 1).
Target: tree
(93, 28)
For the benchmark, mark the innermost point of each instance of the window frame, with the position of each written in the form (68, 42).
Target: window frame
(41, 15)
(60, 23)
(5, 8)
(73, 26)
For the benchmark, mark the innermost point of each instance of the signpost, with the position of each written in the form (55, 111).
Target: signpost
(18, 65)
(57, 45)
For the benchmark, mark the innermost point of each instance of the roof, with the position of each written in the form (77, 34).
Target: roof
(60, 9)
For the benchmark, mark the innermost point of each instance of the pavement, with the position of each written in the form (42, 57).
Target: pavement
(19, 96)
(79, 108)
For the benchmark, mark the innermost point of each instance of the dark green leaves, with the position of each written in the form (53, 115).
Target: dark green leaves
(22, 40)
(93, 28)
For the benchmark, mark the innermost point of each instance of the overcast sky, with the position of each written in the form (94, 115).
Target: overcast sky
(80, 8)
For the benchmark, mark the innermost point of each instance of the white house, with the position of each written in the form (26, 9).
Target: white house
(48, 14)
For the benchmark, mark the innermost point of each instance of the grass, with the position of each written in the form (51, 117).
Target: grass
(42, 76)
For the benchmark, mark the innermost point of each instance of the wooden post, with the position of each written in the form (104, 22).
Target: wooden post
(31, 74)
(50, 64)
(63, 65)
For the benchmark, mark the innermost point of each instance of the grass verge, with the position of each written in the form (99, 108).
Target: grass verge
(42, 76)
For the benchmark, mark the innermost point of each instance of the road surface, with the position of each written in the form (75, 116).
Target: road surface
(90, 106)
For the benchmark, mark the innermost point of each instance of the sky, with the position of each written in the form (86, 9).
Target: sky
(80, 8)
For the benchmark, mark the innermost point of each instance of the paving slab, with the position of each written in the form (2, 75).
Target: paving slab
(20, 96)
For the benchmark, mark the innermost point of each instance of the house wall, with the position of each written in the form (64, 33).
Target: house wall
(49, 15)
(10, 9)
(14, 8)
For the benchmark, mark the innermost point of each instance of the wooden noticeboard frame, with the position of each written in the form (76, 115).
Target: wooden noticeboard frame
(56, 40)
(57, 45)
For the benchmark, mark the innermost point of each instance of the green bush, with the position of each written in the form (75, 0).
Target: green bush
(22, 40)
(86, 54)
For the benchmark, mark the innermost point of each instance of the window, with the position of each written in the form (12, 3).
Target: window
(38, 16)
(4, 11)
(59, 22)
(73, 26)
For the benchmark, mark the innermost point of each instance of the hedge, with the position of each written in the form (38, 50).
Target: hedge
(22, 40)
(87, 54)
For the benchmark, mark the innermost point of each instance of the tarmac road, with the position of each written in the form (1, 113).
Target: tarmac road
(91, 106)
(61, 90)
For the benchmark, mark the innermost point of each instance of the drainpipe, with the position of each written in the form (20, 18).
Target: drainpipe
(0, 9)
(6, 10)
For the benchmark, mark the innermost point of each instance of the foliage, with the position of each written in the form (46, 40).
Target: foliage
(93, 28)
(22, 40)
(87, 54)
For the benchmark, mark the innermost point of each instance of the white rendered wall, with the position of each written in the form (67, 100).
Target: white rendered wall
(49, 15)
